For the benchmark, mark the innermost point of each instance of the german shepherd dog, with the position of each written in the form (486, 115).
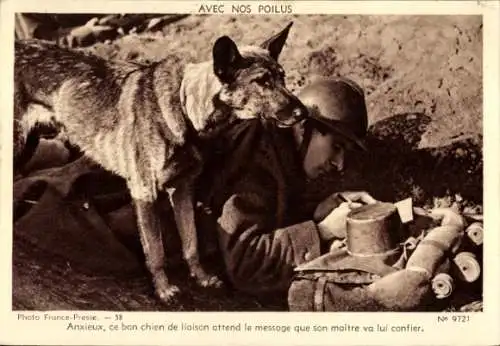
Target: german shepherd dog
(146, 123)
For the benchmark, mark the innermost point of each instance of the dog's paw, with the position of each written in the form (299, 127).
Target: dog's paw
(210, 281)
(165, 291)
(202, 278)
(166, 294)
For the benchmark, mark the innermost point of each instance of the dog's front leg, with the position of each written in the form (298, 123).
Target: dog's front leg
(150, 230)
(182, 200)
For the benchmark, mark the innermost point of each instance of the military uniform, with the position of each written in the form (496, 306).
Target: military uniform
(254, 207)
(263, 231)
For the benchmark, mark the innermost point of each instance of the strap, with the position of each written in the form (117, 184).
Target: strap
(319, 294)
(306, 139)
(380, 254)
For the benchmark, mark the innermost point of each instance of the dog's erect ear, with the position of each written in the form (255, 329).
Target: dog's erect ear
(226, 58)
(275, 43)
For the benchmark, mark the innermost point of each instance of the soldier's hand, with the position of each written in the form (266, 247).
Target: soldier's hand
(334, 224)
(358, 196)
(327, 205)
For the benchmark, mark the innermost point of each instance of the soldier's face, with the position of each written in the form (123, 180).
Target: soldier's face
(322, 153)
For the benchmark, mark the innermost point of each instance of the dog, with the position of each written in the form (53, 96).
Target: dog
(147, 123)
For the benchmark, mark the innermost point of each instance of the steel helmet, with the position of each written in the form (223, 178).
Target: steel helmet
(337, 104)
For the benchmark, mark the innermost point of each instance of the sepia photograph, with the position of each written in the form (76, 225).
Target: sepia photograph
(237, 163)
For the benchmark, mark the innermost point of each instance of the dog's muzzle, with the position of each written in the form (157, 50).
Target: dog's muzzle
(291, 115)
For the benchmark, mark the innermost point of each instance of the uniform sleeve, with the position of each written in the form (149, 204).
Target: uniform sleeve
(258, 255)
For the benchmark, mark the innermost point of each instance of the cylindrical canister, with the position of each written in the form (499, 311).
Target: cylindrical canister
(467, 266)
(430, 252)
(367, 228)
(475, 233)
(442, 285)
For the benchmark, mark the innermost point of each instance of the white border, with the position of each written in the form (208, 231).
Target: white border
(482, 327)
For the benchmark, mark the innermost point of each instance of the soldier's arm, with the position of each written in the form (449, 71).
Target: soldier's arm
(260, 256)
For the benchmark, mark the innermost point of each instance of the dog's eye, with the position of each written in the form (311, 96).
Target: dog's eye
(264, 80)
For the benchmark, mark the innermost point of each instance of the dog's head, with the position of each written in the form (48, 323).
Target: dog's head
(253, 82)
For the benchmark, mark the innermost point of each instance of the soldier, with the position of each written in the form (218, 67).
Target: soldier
(262, 234)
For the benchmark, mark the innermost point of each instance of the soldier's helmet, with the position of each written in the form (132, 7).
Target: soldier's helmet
(338, 106)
